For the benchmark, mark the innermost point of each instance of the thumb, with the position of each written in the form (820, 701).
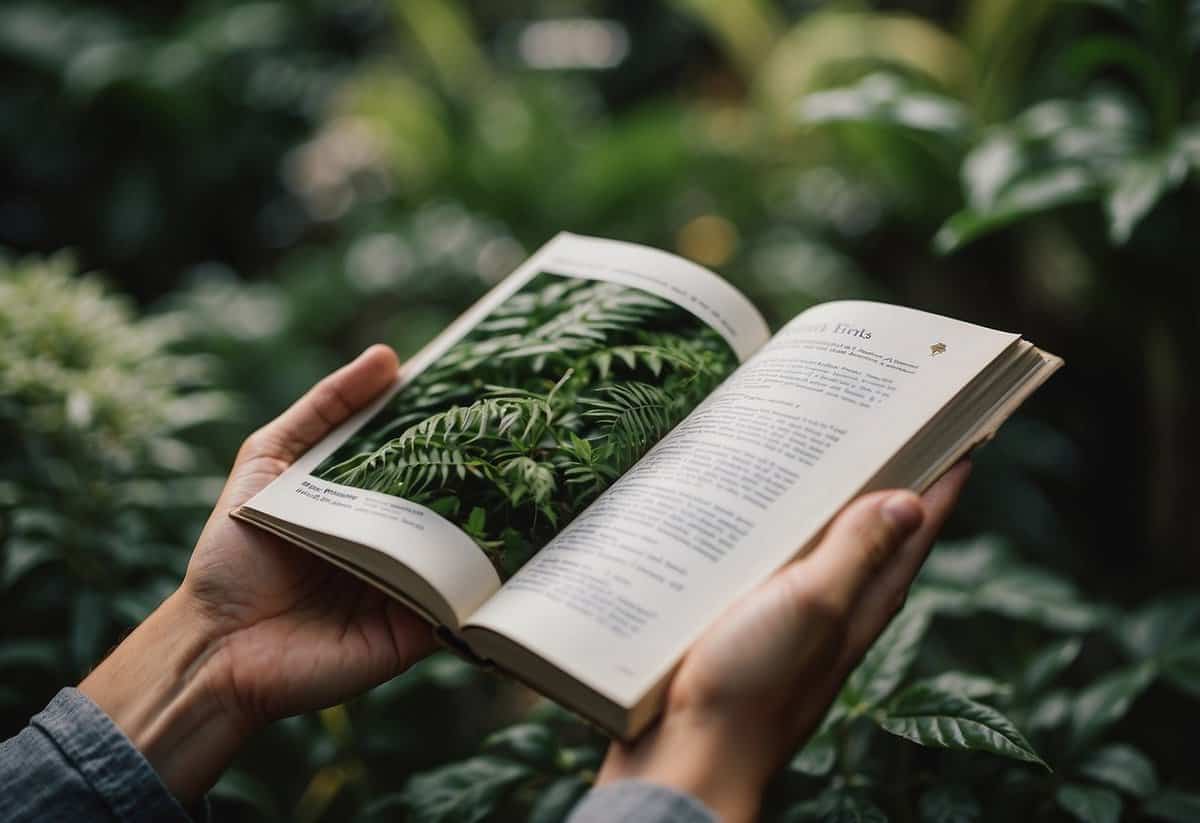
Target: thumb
(858, 544)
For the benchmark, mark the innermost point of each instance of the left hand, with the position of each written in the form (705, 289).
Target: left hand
(259, 629)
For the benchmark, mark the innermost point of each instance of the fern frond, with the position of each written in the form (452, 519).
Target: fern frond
(634, 417)
(406, 470)
(530, 479)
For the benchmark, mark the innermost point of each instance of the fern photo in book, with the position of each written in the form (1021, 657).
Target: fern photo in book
(521, 424)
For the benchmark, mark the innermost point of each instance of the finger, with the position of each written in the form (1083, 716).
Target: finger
(856, 545)
(325, 406)
(884, 596)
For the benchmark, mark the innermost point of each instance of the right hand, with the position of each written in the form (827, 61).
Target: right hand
(758, 683)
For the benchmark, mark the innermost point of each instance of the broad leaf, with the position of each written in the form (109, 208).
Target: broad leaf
(817, 757)
(465, 792)
(1174, 807)
(949, 803)
(887, 100)
(1107, 700)
(1140, 183)
(943, 720)
(530, 743)
(887, 663)
(1157, 627)
(1048, 663)
(973, 686)
(1089, 804)
(1122, 767)
(1181, 668)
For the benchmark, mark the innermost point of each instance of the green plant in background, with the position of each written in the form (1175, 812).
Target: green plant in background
(521, 424)
(370, 168)
(101, 485)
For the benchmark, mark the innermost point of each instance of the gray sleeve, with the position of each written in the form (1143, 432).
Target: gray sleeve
(72, 763)
(633, 801)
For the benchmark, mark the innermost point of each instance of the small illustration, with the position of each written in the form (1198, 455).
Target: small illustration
(936, 349)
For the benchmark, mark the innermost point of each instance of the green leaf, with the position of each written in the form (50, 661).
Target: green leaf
(1107, 700)
(476, 520)
(949, 803)
(1048, 663)
(887, 663)
(1174, 807)
(556, 800)
(817, 756)
(1157, 626)
(1089, 804)
(836, 805)
(530, 743)
(1181, 668)
(1051, 710)
(943, 720)
(973, 686)
(466, 792)
(887, 100)
(1035, 194)
(1140, 183)
(1123, 767)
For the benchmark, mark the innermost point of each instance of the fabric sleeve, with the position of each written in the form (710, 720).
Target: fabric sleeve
(72, 763)
(635, 801)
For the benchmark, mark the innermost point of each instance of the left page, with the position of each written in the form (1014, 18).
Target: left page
(521, 413)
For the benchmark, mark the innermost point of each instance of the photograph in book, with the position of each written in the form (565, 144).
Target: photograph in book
(522, 423)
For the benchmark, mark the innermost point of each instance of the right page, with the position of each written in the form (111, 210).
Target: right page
(735, 491)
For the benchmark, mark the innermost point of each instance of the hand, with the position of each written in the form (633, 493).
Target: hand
(259, 629)
(758, 683)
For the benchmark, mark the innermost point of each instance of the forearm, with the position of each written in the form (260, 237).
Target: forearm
(163, 689)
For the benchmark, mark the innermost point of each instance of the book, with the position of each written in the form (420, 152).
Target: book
(584, 470)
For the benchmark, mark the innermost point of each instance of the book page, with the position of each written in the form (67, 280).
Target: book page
(515, 419)
(735, 491)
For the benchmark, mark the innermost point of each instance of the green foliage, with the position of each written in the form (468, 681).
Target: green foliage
(370, 168)
(102, 485)
(523, 422)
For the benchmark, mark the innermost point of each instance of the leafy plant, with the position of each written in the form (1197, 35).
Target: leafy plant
(522, 423)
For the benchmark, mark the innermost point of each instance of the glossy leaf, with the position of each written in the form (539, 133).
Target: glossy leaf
(949, 721)
(973, 686)
(817, 756)
(1181, 667)
(1158, 626)
(530, 743)
(1106, 701)
(885, 99)
(465, 792)
(887, 663)
(1123, 767)
(1089, 804)
(1038, 193)
(1048, 663)
(1140, 183)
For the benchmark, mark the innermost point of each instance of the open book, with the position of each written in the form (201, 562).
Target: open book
(584, 470)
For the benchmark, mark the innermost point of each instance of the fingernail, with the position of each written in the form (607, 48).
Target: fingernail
(903, 510)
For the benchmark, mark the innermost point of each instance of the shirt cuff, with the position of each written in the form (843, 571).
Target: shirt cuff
(108, 761)
(636, 801)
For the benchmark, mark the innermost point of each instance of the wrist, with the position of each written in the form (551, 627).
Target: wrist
(164, 688)
(691, 755)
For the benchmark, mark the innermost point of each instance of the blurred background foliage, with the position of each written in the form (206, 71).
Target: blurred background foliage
(267, 187)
